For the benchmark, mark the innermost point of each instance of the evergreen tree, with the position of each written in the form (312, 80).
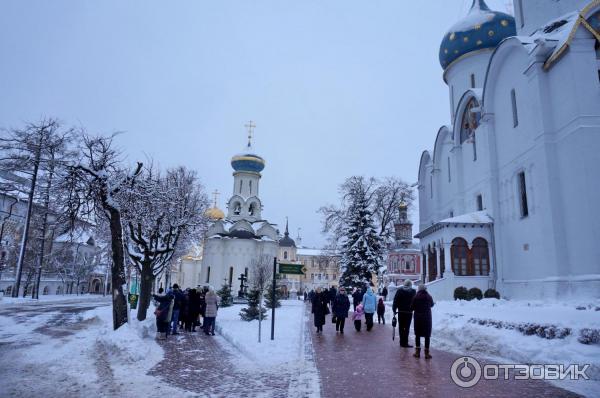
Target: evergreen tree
(225, 294)
(252, 311)
(362, 246)
(269, 300)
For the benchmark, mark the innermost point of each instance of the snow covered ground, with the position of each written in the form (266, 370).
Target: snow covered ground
(290, 352)
(55, 298)
(62, 351)
(497, 329)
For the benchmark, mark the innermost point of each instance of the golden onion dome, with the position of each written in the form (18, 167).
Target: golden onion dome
(214, 213)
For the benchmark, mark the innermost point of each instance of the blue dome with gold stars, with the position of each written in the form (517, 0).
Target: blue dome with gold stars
(248, 162)
(481, 29)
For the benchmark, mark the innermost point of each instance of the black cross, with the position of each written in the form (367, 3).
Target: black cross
(243, 278)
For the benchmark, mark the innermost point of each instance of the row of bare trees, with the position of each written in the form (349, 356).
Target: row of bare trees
(145, 216)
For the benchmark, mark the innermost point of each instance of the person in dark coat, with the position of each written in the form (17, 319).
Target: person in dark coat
(340, 308)
(193, 310)
(421, 305)
(311, 295)
(402, 301)
(381, 311)
(357, 297)
(319, 309)
(163, 307)
(384, 293)
(178, 299)
(332, 294)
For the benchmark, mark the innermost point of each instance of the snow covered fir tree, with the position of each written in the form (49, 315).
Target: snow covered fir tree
(361, 251)
(225, 295)
(252, 311)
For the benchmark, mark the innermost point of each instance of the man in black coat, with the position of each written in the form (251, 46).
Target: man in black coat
(384, 293)
(332, 294)
(402, 301)
(357, 297)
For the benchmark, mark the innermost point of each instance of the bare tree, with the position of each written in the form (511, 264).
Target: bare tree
(261, 272)
(25, 152)
(383, 198)
(162, 214)
(96, 185)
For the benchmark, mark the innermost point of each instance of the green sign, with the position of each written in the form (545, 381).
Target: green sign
(293, 269)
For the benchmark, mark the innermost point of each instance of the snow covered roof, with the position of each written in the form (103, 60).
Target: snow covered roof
(476, 218)
(242, 229)
(77, 235)
(553, 39)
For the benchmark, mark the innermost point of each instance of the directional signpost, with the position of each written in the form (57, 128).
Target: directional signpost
(291, 269)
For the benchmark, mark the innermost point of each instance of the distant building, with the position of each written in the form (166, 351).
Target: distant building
(322, 268)
(403, 257)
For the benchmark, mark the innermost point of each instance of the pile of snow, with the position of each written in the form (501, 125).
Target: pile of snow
(530, 332)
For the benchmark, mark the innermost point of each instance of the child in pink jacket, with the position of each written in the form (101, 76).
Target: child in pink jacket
(357, 317)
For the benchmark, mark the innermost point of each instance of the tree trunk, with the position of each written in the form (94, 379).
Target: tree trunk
(145, 291)
(36, 165)
(35, 294)
(117, 270)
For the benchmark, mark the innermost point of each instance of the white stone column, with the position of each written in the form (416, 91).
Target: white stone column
(448, 260)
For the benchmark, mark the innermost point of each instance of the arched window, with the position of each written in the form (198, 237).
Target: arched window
(237, 208)
(252, 209)
(285, 255)
(481, 257)
(250, 185)
(46, 291)
(470, 121)
(460, 253)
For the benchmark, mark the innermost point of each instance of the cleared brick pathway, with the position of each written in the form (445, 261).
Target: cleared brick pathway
(199, 364)
(370, 364)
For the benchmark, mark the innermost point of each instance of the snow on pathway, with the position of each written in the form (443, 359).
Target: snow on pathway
(69, 349)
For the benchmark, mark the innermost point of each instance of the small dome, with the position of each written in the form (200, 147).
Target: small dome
(214, 213)
(248, 162)
(286, 241)
(482, 28)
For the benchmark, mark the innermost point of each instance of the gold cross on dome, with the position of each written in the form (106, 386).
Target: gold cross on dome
(216, 194)
(250, 126)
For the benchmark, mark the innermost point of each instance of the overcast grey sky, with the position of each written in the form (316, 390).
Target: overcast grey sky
(336, 88)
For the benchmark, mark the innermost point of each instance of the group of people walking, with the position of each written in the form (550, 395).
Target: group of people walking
(177, 309)
(407, 304)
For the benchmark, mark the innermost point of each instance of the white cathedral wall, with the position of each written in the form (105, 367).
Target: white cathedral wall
(541, 255)
(458, 76)
(221, 254)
